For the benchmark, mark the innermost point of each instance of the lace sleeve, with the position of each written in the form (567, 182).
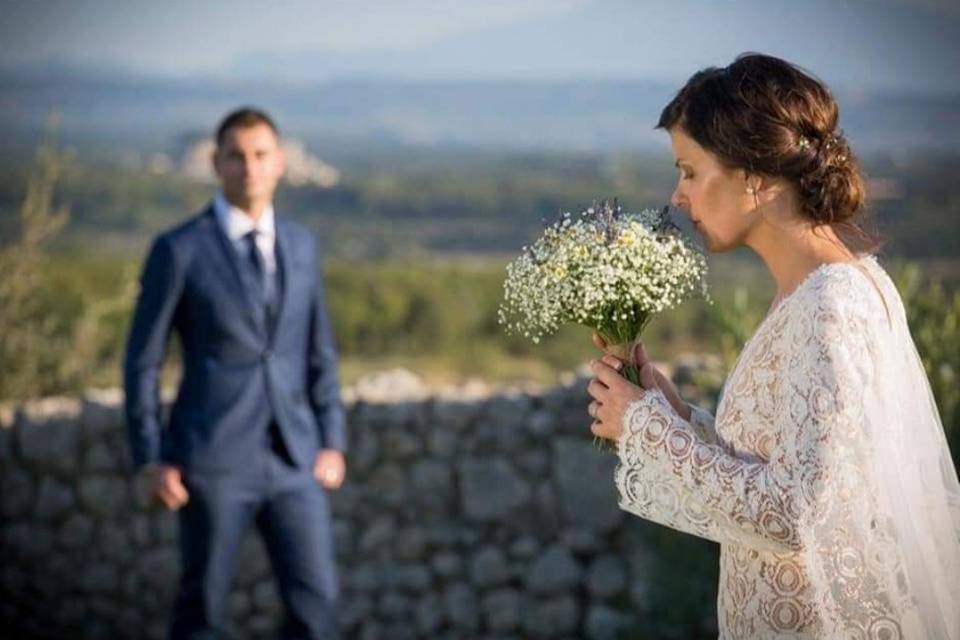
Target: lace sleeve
(671, 475)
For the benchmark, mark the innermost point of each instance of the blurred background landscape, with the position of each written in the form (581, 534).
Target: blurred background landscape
(429, 142)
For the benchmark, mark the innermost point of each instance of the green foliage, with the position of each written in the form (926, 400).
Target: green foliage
(684, 574)
(32, 339)
(735, 321)
(60, 327)
(933, 313)
(437, 318)
(442, 311)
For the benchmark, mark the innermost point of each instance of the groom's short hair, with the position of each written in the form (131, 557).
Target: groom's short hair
(244, 117)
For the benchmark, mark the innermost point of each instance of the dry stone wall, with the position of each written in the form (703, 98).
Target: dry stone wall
(466, 514)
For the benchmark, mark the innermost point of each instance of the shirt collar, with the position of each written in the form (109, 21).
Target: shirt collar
(237, 224)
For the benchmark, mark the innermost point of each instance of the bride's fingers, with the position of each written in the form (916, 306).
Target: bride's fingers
(606, 374)
(597, 390)
(603, 430)
(613, 361)
(593, 409)
(596, 428)
(648, 379)
(598, 342)
(640, 355)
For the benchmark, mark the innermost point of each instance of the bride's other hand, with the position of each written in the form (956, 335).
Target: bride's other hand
(663, 383)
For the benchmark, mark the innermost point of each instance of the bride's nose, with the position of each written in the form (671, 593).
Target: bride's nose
(677, 199)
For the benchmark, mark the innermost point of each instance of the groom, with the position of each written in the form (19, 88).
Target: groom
(256, 434)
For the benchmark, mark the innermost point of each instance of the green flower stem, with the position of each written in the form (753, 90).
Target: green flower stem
(622, 339)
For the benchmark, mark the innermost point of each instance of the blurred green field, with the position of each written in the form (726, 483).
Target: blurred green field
(435, 318)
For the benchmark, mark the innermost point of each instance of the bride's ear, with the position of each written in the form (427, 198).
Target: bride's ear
(759, 188)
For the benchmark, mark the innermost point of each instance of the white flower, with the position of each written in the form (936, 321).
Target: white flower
(607, 270)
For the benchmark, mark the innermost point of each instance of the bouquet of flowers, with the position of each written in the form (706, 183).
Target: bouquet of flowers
(604, 269)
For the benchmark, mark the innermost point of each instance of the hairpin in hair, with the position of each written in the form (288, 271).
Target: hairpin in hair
(803, 142)
(834, 140)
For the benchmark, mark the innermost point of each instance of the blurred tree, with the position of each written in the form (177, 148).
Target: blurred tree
(58, 330)
(25, 329)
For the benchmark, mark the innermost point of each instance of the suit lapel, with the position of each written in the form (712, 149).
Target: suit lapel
(286, 273)
(226, 262)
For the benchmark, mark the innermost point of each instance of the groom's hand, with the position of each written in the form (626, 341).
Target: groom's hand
(165, 483)
(329, 468)
(661, 381)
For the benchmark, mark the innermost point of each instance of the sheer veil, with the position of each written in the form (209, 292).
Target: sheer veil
(912, 522)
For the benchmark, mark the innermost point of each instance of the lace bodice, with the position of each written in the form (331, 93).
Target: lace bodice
(782, 478)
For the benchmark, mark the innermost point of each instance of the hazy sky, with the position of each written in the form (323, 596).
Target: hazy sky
(867, 43)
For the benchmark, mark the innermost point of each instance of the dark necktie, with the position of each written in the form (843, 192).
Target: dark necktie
(266, 285)
(267, 292)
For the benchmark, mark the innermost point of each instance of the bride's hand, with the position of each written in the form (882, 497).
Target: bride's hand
(663, 383)
(611, 394)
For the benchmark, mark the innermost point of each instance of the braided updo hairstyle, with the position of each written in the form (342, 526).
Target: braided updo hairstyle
(768, 117)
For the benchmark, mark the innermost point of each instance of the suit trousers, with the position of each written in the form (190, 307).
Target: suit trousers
(292, 514)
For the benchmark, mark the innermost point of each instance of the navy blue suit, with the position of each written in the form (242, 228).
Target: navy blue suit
(258, 397)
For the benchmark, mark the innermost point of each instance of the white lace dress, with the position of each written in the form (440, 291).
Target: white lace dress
(800, 476)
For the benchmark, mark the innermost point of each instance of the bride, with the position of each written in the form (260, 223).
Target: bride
(825, 476)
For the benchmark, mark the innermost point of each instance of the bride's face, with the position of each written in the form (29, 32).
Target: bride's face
(713, 195)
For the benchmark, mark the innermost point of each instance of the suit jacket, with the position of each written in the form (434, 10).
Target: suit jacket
(239, 372)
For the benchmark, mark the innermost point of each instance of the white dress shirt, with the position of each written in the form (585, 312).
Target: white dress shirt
(237, 224)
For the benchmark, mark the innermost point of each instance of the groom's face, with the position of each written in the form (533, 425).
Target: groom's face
(250, 163)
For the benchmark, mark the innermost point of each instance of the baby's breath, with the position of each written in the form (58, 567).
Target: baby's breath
(605, 269)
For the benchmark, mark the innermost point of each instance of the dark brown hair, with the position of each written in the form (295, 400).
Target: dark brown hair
(244, 117)
(769, 117)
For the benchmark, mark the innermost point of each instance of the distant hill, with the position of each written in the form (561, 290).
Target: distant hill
(113, 114)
